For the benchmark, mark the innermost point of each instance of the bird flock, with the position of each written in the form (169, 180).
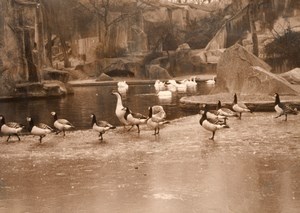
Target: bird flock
(215, 120)
(210, 120)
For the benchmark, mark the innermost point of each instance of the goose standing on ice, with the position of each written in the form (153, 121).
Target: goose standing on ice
(156, 118)
(120, 109)
(134, 119)
(208, 125)
(283, 109)
(239, 107)
(40, 129)
(100, 126)
(10, 128)
(212, 116)
(61, 125)
(225, 111)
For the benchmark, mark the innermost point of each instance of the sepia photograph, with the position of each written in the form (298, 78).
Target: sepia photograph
(149, 106)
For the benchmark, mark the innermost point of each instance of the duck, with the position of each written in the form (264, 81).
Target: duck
(156, 118)
(40, 129)
(225, 111)
(239, 107)
(10, 128)
(62, 125)
(134, 119)
(100, 126)
(181, 87)
(283, 109)
(120, 109)
(211, 81)
(208, 125)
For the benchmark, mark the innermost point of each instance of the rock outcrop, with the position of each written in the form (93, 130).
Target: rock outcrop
(239, 71)
(292, 76)
(157, 72)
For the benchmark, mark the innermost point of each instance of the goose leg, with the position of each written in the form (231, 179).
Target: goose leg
(41, 137)
(130, 128)
(240, 116)
(157, 130)
(101, 137)
(64, 133)
(18, 137)
(8, 138)
(213, 136)
(285, 117)
(138, 126)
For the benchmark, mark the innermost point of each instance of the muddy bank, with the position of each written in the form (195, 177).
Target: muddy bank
(251, 167)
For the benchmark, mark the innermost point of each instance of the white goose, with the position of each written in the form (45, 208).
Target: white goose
(100, 126)
(156, 118)
(134, 119)
(159, 86)
(208, 125)
(61, 124)
(120, 109)
(239, 107)
(40, 129)
(10, 128)
(211, 81)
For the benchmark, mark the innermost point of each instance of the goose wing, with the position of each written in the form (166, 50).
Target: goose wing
(64, 121)
(104, 124)
(44, 126)
(242, 105)
(138, 115)
(288, 109)
(14, 125)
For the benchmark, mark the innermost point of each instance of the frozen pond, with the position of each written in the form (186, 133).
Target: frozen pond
(95, 99)
(252, 167)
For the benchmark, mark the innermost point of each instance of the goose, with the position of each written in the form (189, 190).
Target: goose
(212, 117)
(180, 87)
(164, 94)
(40, 129)
(211, 81)
(283, 109)
(225, 111)
(120, 109)
(100, 126)
(135, 119)
(239, 107)
(10, 128)
(156, 118)
(61, 124)
(122, 85)
(191, 82)
(206, 124)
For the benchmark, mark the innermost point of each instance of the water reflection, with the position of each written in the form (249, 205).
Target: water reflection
(98, 100)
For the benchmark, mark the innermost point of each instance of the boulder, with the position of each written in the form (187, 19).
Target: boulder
(104, 77)
(157, 72)
(292, 76)
(239, 71)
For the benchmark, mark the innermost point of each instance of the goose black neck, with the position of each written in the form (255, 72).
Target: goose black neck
(277, 99)
(235, 99)
(204, 117)
(94, 120)
(55, 117)
(219, 105)
(150, 112)
(126, 113)
(30, 125)
(2, 121)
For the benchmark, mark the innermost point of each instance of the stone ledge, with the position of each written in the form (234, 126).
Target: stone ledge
(258, 103)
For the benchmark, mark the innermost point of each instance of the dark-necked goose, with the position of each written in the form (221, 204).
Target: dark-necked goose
(156, 118)
(10, 128)
(100, 126)
(283, 109)
(239, 107)
(120, 109)
(40, 129)
(212, 116)
(61, 124)
(225, 111)
(206, 124)
(134, 119)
